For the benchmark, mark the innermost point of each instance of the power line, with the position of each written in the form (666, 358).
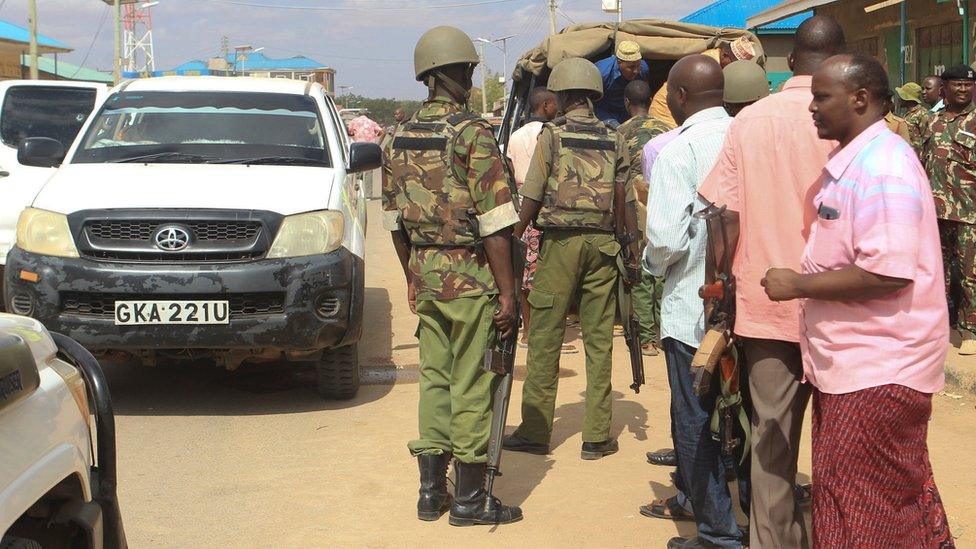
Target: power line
(101, 23)
(361, 8)
(324, 54)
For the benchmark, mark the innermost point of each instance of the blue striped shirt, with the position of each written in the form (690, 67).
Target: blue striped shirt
(675, 239)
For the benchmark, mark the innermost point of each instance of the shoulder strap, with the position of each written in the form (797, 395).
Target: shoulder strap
(460, 117)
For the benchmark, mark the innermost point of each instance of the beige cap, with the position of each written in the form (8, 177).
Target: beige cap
(628, 51)
(743, 49)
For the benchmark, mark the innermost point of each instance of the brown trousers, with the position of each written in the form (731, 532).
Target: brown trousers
(779, 401)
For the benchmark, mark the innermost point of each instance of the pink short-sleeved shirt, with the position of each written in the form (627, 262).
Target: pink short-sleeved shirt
(768, 171)
(875, 210)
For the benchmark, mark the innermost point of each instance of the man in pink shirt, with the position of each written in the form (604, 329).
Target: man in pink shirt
(767, 174)
(875, 326)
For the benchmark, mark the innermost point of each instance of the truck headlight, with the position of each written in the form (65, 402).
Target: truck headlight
(309, 233)
(46, 233)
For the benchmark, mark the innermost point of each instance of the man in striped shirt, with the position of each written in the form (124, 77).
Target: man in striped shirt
(675, 250)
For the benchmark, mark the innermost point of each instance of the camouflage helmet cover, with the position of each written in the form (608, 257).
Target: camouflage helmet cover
(440, 47)
(576, 73)
(745, 82)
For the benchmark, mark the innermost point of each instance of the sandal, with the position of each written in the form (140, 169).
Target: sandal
(650, 349)
(667, 509)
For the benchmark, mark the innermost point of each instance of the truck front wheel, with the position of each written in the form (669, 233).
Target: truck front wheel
(338, 372)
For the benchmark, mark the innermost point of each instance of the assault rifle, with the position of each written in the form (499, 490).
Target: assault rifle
(628, 318)
(718, 348)
(500, 359)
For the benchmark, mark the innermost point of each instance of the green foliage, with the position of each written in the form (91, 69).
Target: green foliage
(496, 90)
(380, 110)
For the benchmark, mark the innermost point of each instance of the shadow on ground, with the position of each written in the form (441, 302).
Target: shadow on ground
(201, 388)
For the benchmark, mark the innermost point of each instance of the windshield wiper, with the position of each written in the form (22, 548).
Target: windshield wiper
(171, 156)
(274, 160)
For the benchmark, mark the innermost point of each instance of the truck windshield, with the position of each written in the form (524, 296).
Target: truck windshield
(44, 111)
(192, 127)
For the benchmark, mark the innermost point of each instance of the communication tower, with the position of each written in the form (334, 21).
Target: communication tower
(137, 37)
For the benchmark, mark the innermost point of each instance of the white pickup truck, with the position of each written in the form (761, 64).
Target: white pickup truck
(57, 443)
(202, 216)
(35, 108)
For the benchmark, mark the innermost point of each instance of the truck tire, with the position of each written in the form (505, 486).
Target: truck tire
(337, 372)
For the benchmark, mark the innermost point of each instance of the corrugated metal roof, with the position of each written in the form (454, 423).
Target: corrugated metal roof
(733, 13)
(195, 65)
(13, 33)
(257, 61)
(67, 70)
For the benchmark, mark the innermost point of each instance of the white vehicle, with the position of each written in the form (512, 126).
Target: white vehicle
(35, 108)
(58, 479)
(202, 215)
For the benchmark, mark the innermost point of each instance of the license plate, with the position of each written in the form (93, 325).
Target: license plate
(134, 313)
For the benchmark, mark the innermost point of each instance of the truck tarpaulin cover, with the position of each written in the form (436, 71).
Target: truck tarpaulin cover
(658, 39)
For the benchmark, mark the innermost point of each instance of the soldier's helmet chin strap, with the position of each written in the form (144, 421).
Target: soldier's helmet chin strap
(457, 90)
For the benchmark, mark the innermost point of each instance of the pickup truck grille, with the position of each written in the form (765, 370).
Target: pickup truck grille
(208, 236)
(217, 231)
(98, 305)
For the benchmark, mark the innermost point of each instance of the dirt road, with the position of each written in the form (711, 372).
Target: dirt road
(255, 459)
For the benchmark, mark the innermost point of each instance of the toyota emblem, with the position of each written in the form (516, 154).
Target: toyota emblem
(172, 238)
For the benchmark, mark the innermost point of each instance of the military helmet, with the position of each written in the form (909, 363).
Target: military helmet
(576, 73)
(745, 82)
(440, 47)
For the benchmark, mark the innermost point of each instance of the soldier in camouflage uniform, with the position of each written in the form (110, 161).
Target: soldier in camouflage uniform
(951, 165)
(576, 191)
(636, 132)
(917, 115)
(448, 201)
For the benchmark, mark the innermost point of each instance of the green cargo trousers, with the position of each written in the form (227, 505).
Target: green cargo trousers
(455, 392)
(582, 267)
(647, 305)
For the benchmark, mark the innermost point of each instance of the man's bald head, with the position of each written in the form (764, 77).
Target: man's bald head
(816, 39)
(695, 83)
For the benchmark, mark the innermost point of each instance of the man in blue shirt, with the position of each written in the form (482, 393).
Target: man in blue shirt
(619, 70)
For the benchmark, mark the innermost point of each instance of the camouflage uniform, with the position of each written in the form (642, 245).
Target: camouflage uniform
(917, 118)
(579, 261)
(647, 295)
(456, 292)
(898, 125)
(951, 165)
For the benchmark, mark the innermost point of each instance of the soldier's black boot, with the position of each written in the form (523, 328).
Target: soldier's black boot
(471, 505)
(434, 499)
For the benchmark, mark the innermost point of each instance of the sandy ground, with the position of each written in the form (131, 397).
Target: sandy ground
(255, 459)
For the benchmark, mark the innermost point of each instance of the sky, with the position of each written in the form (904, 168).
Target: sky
(369, 45)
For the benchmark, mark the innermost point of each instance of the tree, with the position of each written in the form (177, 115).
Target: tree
(380, 109)
(496, 91)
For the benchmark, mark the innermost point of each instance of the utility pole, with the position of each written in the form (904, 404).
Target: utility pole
(117, 72)
(552, 16)
(484, 80)
(32, 16)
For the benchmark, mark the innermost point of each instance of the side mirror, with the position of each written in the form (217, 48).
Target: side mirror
(19, 376)
(42, 152)
(364, 157)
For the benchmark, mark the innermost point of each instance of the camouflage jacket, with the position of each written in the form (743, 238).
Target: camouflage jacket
(950, 161)
(442, 273)
(545, 166)
(636, 133)
(917, 118)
